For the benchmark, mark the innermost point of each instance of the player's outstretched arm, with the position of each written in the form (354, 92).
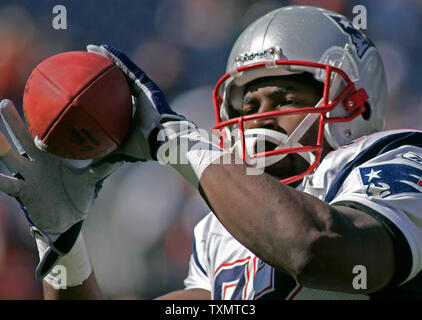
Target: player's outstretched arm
(55, 198)
(316, 243)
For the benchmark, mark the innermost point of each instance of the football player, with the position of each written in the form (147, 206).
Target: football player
(310, 198)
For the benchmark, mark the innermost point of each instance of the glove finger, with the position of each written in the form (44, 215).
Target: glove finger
(4, 145)
(10, 185)
(96, 49)
(16, 128)
(122, 61)
(140, 82)
(114, 53)
(14, 162)
(147, 86)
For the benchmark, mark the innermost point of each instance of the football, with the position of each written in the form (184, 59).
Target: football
(77, 105)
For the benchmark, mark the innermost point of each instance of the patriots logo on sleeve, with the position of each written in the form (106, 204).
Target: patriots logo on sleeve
(412, 156)
(385, 180)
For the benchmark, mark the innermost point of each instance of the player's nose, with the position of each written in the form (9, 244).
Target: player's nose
(266, 123)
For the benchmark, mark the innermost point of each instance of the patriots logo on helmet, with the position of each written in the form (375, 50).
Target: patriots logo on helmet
(358, 38)
(388, 179)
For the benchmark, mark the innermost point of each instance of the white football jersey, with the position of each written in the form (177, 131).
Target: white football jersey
(380, 174)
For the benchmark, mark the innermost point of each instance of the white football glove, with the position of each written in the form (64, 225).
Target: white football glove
(55, 196)
(152, 109)
(157, 132)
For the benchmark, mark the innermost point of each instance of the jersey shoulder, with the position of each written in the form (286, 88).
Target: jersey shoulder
(371, 146)
(397, 151)
(380, 174)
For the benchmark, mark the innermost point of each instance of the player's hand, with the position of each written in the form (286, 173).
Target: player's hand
(157, 132)
(153, 112)
(54, 195)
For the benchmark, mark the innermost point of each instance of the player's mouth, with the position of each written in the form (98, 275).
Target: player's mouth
(268, 146)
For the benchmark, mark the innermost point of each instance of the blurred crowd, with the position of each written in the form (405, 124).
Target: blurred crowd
(139, 233)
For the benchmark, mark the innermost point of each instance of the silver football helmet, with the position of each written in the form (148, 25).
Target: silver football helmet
(298, 39)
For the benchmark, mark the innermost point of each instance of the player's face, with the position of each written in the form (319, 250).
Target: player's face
(272, 94)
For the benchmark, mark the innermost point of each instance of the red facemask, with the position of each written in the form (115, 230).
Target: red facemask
(349, 98)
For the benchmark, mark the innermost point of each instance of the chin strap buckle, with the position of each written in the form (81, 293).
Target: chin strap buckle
(356, 100)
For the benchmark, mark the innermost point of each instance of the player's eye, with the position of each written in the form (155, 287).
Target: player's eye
(247, 110)
(289, 103)
(250, 105)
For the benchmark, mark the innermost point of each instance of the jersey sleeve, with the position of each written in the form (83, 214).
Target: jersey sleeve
(389, 187)
(198, 270)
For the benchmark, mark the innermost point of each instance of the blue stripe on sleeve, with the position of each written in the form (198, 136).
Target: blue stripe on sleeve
(195, 257)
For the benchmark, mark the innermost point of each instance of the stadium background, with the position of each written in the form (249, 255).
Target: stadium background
(140, 230)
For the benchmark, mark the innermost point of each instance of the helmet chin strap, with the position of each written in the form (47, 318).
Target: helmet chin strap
(255, 142)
